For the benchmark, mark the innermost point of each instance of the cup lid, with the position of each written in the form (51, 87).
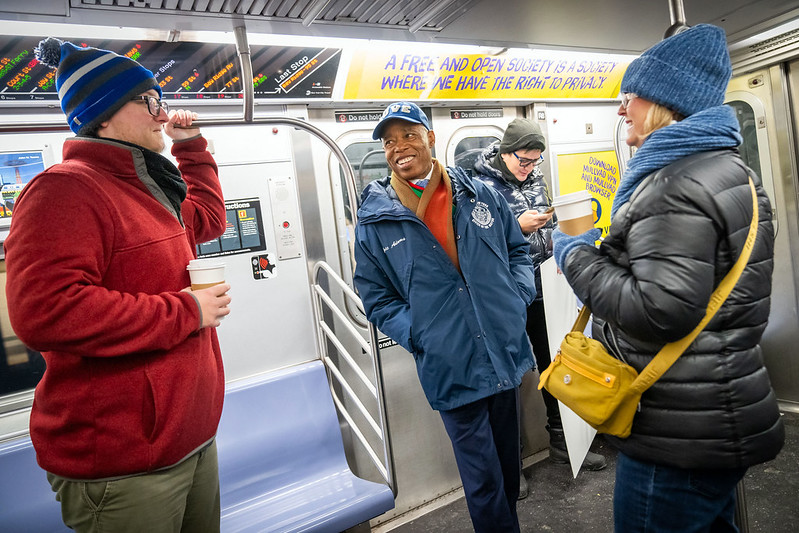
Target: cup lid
(571, 198)
(204, 265)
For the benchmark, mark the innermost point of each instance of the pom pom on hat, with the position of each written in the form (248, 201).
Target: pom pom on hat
(93, 83)
(687, 72)
(49, 52)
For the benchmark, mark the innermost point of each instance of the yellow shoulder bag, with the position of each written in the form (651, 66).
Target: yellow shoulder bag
(604, 391)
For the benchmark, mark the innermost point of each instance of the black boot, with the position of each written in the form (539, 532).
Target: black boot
(560, 455)
(524, 490)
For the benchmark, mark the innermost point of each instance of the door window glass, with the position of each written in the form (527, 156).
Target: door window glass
(20, 367)
(368, 164)
(748, 122)
(467, 150)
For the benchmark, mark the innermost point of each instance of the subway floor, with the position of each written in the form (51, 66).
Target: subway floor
(557, 503)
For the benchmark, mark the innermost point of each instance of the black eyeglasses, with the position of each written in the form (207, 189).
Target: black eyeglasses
(154, 105)
(626, 98)
(524, 162)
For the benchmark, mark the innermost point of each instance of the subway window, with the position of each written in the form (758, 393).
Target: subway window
(749, 150)
(368, 164)
(467, 150)
(20, 367)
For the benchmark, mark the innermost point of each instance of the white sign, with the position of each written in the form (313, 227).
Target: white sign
(561, 309)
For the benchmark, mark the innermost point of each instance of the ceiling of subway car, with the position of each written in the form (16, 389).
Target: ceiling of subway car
(600, 25)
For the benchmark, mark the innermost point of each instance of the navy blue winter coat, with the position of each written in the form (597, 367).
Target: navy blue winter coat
(532, 193)
(465, 329)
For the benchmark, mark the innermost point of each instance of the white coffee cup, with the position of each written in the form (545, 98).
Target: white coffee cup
(205, 273)
(574, 211)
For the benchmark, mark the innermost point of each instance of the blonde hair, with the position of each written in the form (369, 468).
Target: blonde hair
(658, 117)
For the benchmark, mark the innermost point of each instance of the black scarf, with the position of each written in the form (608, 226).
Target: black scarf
(165, 174)
(498, 163)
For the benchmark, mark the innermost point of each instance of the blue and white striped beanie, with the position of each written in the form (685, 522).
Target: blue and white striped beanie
(687, 73)
(92, 83)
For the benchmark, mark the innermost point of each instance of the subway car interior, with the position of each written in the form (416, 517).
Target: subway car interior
(325, 425)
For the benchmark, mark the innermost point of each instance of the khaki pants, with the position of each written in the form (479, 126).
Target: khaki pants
(184, 498)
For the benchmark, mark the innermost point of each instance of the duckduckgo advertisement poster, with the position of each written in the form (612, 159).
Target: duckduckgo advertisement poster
(517, 74)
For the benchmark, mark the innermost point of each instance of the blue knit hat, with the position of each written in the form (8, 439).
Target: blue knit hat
(92, 83)
(687, 72)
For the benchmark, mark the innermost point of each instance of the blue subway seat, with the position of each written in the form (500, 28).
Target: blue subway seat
(282, 466)
(27, 504)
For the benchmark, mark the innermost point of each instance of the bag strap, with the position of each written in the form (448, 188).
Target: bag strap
(582, 319)
(673, 350)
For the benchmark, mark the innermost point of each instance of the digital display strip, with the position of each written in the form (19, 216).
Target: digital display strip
(183, 70)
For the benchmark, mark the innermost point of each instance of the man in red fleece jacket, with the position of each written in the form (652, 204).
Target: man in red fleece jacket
(125, 416)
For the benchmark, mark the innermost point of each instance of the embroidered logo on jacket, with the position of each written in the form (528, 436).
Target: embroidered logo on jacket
(481, 215)
(393, 244)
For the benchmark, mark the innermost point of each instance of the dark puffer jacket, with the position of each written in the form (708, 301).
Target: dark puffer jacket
(532, 193)
(651, 281)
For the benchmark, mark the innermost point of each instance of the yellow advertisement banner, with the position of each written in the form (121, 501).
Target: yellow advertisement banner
(595, 172)
(376, 74)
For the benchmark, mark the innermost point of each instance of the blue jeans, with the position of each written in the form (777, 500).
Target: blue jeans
(485, 439)
(650, 498)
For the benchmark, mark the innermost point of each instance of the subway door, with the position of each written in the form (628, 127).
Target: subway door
(461, 135)
(763, 112)
(264, 250)
(423, 460)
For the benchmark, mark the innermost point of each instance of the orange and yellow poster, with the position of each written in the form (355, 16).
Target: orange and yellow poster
(595, 172)
(519, 74)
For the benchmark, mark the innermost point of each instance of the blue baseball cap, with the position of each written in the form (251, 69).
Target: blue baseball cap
(407, 111)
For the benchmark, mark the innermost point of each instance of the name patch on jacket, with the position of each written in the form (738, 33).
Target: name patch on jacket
(481, 215)
(393, 244)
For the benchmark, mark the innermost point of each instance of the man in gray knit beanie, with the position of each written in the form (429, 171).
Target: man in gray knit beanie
(522, 134)
(512, 168)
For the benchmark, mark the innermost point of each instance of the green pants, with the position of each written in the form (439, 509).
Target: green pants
(184, 498)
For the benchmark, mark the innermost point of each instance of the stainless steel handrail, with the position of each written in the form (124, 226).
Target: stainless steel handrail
(621, 156)
(42, 127)
(323, 301)
(385, 466)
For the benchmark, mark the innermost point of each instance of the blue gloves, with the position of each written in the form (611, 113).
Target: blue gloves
(562, 244)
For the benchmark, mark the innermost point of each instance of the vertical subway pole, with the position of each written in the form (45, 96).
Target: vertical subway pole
(677, 13)
(243, 49)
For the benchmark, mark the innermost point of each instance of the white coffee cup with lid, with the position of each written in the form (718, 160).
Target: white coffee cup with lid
(574, 211)
(205, 273)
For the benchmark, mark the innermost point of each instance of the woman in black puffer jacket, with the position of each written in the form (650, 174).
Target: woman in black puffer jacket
(679, 222)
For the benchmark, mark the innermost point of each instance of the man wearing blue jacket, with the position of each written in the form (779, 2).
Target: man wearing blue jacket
(444, 270)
